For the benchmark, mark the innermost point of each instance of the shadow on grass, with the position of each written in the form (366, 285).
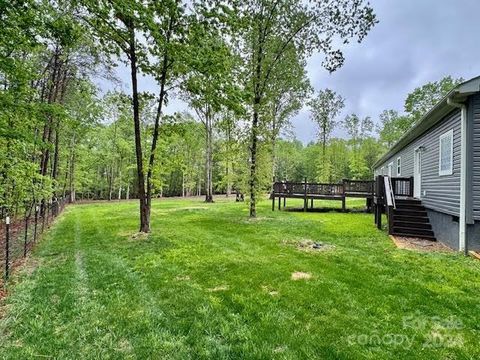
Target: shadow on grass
(325, 210)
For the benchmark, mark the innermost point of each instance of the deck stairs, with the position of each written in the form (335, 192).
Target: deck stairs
(410, 219)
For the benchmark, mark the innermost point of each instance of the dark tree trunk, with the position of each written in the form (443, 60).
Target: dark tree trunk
(56, 151)
(208, 158)
(253, 159)
(71, 172)
(142, 196)
(254, 136)
(161, 99)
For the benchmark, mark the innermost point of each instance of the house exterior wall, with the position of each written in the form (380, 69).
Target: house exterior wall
(445, 228)
(475, 156)
(439, 193)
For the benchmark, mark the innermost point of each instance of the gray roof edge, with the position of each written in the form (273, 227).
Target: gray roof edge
(433, 116)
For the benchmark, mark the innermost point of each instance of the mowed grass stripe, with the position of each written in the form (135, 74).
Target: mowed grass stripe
(210, 283)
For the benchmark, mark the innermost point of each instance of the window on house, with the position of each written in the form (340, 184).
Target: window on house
(399, 166)
(445, 163)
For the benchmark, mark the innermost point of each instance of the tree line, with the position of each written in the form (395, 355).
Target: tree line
(239, 65)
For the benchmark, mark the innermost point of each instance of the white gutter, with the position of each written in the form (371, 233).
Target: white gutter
(463, 178)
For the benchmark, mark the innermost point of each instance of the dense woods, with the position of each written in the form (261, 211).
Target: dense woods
(240, 67)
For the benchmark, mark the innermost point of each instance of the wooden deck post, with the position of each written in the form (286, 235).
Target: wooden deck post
(411, 186)
(284, 201)
(379, 201)
(343, 195)
(273, 193)
(305, 196)
(311, 203)
(390, 219)
(379, 217)
(279, 203)
(369, 205)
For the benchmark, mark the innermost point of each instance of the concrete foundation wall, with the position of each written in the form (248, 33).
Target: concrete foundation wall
(445, 228)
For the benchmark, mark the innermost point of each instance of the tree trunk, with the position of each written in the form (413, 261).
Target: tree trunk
(227, 160)
(120, 182)
(142, 196)
(253, 160)
(183, 184)
(208, 158)
(56, 151)
(274, 160)
(199, 185)
(229, 185)
(110, 184)
(254, 136)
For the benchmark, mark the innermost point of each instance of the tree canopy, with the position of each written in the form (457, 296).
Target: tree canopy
(240, 66)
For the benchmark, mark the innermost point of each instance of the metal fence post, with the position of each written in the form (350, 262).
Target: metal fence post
(35, 226)
(43, 209)
(7, 246)
(25, 238)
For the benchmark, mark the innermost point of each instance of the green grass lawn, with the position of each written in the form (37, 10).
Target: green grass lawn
(210, 283)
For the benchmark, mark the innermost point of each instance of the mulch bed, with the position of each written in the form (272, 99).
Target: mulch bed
(475, 254)
(411, 243)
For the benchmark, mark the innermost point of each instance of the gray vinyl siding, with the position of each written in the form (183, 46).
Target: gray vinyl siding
(475, 103)
(442, 192)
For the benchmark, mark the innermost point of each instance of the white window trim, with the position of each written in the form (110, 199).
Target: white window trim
(448, 171)
(390, 166)
(399, 166)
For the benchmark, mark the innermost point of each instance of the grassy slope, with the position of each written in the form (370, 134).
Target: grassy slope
(208, 283)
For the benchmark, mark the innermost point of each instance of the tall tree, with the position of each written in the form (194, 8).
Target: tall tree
(359, 129)
(122, 26)
(269, 28)
(210, 87)
(286, 94)
(392, 126)
(423, 98)
(324, 109)
(117, 25)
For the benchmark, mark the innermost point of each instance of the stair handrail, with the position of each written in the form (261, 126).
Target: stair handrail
(389, 192)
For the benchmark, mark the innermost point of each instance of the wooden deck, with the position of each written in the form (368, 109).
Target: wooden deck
(322, 191)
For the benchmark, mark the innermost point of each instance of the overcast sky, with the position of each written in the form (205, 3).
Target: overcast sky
(415, 41)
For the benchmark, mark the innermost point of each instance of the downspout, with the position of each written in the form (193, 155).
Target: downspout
(462, 232)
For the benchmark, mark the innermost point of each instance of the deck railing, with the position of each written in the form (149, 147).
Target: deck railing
(364, 187)
(387, 189)
(358, 186)
(402, 186)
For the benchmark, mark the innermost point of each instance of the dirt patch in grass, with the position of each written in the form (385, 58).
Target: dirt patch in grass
(279, 349)
(182, 278)
(299, 275)
(218, 288)
(3, 294)
(29, 266)
(256, 219)
(269, 290)
(189, 208)
(411, 243)
(134, 235)
(308, 245)
(25, 266)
